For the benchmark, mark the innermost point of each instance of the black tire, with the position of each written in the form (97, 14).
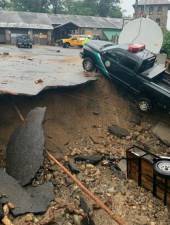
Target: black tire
(162, 167)
(88, 65)
(144, 105)
(66, 45)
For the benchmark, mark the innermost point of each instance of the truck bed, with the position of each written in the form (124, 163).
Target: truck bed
(163, 80)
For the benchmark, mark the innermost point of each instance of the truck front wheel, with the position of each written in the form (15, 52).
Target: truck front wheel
(144, 104)
(88, 65)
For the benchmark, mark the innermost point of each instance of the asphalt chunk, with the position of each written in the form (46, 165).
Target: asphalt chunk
(24, 155)
(118, 131)
(26, 200)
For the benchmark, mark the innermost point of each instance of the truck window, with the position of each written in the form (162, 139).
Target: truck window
(123, 60)
(147, 64)
(129, 63)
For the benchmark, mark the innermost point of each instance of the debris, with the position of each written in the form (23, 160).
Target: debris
(6, 221)
(90, 195)
(42, 196)
(6, 209)
(96, 113)
(117, 171)
(58, 51)
(93, 159)
(84, 206)
(25, 200)
(1, 211)
(73, 168)
(48, 218)
(77, 219)
(87, 220)
(118, 131)
(26, 144)
(5, 53)
(162, 132)
(39, 81)
(123, 165)
(136, 118)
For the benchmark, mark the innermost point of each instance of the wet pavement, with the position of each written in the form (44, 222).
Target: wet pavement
(29, 71)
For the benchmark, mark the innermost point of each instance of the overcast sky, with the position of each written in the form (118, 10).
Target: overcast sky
(127, 6)
(128, 9)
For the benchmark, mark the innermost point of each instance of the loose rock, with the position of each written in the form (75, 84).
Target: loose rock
(118, 131)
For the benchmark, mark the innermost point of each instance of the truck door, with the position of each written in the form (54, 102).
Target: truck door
(121, 68)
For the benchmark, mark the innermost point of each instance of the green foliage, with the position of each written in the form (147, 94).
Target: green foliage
(30, 5)
(86, 7)
(166, 43)
(102, 8)
(56, 5)
(4, 4)
(109, 8)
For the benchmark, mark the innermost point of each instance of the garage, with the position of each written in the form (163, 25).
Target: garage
(2, 36)
(40, 37)
(15, 33)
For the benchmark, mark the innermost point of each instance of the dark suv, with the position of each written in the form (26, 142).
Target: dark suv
(24, 41)
(132, 66)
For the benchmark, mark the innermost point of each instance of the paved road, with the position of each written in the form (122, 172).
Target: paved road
(29, 71)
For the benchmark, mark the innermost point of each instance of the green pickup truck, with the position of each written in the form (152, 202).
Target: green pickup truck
(132, 66)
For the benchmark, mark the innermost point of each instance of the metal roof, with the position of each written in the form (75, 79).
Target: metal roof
(13, 19)
(30, 20)
(87, 21)
(154, 2)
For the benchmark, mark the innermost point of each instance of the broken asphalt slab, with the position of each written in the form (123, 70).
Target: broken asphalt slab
(162, 132)
(26, 200)
(118, 131)
(93, 159)
(22, 71)
(24, 155)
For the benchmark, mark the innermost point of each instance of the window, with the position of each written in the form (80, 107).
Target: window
(150, 9)
(159, 8)
(123, 60)
(129, 63)
(142, 8)
(158, 20)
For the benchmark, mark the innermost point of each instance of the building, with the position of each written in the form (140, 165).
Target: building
(104, 28)
(156, 10)
(47, 28)
(36, 25)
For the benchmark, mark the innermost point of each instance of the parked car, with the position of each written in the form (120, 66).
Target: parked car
(133, 67)
(76, 41)
(24, 41)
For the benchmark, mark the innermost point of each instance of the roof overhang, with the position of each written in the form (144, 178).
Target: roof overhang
(66, 25)
(26, 26)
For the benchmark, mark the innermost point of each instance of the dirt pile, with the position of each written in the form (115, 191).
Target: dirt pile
(77, 122)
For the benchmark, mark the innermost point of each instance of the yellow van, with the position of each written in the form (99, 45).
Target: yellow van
(76, 41)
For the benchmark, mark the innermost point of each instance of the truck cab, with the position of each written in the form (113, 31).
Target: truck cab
(133, 67)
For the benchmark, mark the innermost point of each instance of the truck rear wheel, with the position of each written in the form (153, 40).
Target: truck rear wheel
(144, 104)
(88, 65)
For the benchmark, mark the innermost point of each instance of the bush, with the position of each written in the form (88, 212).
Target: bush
(166, 43)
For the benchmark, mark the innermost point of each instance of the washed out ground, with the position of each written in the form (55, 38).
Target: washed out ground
(77, 121)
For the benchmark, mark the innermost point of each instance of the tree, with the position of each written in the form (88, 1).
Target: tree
(57, 6)
(86, 7)
(30, 5)
(4, 4)
(109, 8)
(166, 43)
